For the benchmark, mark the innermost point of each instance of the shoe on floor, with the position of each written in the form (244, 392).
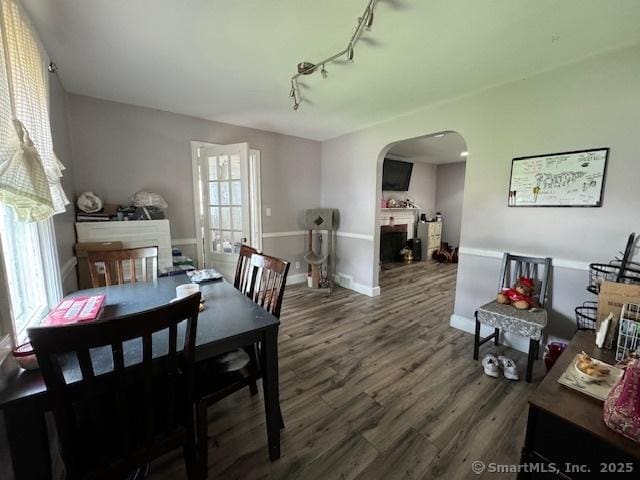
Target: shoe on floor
(491, 365)
(509, 368)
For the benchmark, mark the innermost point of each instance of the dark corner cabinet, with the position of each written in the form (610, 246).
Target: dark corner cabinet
(566, 435)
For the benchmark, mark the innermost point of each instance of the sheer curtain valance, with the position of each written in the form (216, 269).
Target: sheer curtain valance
(30, 172)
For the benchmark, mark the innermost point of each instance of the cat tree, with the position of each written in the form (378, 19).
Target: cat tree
(321, 224)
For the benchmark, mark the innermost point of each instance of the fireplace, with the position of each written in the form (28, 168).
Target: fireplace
(393, 238)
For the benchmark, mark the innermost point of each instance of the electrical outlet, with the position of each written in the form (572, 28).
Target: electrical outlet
(297, 265)
(267, 211)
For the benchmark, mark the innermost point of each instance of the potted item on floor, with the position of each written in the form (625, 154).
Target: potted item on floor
(554, 349)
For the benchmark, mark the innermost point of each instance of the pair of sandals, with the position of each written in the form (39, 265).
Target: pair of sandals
(493, 364)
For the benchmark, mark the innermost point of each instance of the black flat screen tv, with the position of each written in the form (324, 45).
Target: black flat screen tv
(396, 175)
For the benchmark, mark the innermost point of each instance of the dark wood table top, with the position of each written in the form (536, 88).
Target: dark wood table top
(228, 319)
(581, 410)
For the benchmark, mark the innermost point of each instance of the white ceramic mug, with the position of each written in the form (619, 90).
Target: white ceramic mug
(187, 289)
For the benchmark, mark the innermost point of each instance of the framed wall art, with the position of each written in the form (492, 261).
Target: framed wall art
(567, 179)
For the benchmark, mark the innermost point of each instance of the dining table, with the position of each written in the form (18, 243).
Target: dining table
(230, 320)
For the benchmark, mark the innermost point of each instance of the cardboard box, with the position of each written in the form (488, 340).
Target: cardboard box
(610, 300)
(82, 249)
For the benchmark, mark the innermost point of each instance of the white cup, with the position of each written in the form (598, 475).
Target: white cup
(186, 290)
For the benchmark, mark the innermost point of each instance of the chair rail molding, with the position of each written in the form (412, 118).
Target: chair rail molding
(298, 233)
(556, 262)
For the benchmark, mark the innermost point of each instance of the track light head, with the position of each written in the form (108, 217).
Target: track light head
(292, 93)
(324, 72)
(296, 106)
(306, 68)
(350, 54)
(369, 23)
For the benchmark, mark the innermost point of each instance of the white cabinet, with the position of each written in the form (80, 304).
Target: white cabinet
(430, 234)
(132, 234)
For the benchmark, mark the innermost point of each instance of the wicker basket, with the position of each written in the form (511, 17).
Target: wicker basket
(610, 272)
(586, 316)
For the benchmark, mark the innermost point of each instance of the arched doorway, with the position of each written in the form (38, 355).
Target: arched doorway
(419, 194)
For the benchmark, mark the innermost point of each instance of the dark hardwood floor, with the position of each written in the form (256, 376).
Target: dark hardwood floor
(373, 388)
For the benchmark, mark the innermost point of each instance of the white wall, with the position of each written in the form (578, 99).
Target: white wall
(422, 187)
(449, 198)
(64, 222)
(595, 103)
(120, 149)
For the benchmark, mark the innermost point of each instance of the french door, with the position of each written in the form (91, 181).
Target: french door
(224, 195)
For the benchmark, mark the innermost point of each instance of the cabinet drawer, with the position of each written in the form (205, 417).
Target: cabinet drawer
(562, 442)
(435, 228)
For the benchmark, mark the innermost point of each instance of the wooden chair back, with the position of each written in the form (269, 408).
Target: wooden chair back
(242, 279)
(536, 268)
(268, 280)
(117, 262)
(121, 390)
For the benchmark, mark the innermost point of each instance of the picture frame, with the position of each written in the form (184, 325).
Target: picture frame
(565, 179)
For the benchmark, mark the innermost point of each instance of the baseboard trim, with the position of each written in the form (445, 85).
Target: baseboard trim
(469, 325)
(364, 289)
(68, 268)
(556, 262)
(346, 281)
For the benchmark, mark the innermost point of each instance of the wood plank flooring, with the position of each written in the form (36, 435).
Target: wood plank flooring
(373, 388)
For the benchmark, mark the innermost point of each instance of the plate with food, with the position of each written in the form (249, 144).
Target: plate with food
(590, 376)
(591, 370)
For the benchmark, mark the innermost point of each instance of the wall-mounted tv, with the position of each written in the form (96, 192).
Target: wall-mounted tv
(396, 175)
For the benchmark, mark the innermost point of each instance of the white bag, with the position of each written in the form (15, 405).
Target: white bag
(148, 199)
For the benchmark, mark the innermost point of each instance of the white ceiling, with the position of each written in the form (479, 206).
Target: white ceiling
(231, 60)
(434, 149)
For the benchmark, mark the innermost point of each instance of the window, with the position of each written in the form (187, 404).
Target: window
(225, 203)
(26, 274)
(30, 190)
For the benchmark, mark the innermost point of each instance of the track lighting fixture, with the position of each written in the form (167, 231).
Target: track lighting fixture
(307, 68)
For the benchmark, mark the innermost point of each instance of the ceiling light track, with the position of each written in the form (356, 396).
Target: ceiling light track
(365, 22)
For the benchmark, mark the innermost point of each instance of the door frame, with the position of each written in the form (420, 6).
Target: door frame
(255, 198)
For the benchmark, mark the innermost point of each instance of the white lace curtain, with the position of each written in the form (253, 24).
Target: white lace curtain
(30, 172)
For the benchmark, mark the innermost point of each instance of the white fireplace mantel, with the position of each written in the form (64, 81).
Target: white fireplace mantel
(400, 216)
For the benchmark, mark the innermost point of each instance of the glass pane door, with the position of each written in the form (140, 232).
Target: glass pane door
(226, 204)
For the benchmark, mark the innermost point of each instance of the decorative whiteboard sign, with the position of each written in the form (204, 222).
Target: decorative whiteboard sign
(569, 179)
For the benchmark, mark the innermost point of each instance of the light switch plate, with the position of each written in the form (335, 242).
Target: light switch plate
(267, 211)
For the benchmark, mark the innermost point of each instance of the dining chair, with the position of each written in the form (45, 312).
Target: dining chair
(124, 263)
(242, 279)
(121, 390)
(230, 373)
(242, 282)
(527, 323)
